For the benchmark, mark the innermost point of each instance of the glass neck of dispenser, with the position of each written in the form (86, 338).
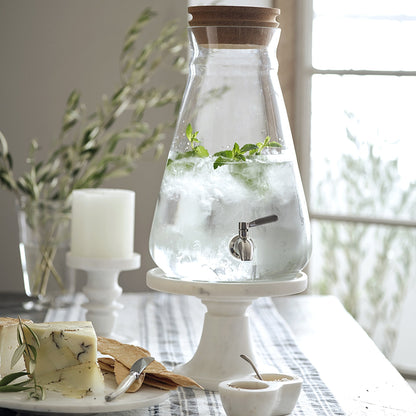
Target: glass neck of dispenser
(225, 46)
(232, 85)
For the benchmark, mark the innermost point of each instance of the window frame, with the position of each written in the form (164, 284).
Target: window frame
(304, 71)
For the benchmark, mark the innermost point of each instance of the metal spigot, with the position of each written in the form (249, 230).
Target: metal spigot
(241, 246)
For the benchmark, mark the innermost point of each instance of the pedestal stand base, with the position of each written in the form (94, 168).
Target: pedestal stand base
(226, 332)
(102, 288)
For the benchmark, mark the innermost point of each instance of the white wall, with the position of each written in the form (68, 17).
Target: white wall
(47, 48)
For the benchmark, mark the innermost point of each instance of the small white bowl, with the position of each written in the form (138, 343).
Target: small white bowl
(248, 397)
(289, 388)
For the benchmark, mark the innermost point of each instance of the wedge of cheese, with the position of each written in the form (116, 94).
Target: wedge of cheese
(67, 358)
(8, 345)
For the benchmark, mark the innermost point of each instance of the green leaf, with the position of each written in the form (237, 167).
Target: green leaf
(5, 180)
(188, 132)
(200, 151)
(73, 100)
(120, 94)
(189, 153)
(11, 377)
(3, 143)
(236, 148)
(220, 161)
(9, 160)
(225, 153)
(13, 388)
(70, 119)
(17, 355)
(32, 353)
(274, 144)
(35, 337)
(248, 148)
(19, 335)
(90, 134)
(135, 29)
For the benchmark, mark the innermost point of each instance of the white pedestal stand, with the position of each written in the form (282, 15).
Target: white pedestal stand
(226, 332)
(102, 288)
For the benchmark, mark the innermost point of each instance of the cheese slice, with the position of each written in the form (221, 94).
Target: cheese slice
(8, 345)
(67, 358)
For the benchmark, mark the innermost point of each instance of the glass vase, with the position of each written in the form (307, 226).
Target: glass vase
(44, 238)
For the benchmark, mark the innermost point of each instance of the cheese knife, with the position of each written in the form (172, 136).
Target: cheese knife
(135, 371)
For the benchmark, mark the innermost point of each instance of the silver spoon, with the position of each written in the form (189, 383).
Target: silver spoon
(244, 357)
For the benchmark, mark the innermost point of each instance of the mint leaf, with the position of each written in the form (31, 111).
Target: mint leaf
(248, 148)
(200, 151)
(188, 132)
(236, 149)
(275, 144)
(225, 153)
(220, 161)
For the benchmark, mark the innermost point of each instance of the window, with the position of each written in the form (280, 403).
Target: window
(357, 73)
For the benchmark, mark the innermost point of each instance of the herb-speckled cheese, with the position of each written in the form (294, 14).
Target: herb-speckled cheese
(67, 358)
(8, 344)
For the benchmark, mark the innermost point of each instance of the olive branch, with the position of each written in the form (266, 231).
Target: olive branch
(91, 148)
(28, 351)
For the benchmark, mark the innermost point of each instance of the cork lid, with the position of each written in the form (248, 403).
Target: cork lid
(233, 24)
(233, 16)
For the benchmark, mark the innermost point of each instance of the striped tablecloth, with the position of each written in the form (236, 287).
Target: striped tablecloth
(169, 326)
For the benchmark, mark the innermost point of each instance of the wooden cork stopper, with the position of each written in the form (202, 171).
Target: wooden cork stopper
(233, 24)
(233, 16)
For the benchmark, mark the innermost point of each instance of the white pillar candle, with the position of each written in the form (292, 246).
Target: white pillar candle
(102, 223)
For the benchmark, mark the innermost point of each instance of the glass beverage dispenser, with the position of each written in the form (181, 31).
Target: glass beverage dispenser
(231, 204)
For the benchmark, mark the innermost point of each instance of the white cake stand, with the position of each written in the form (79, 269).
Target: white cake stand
(226, 332)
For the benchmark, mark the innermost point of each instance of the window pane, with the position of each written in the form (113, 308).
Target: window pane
(363, 146)
(372, 35)
(369, 268)
(364, 8)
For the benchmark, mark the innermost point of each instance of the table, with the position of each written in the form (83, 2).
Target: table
(359, 376)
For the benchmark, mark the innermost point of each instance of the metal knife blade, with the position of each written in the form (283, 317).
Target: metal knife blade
(136, 369)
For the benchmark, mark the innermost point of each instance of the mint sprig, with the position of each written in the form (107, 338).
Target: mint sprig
(268, 142)
(197, 150)
(235, 156)
(238, 154)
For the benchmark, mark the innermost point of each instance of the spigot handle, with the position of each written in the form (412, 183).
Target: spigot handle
(241, 246)
(263, 220)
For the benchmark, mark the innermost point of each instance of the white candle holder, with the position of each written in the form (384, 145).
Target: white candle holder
(102, 288)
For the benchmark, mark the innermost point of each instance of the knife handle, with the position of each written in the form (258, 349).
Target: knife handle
(122, 387)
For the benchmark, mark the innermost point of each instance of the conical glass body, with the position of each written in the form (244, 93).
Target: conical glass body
(231, 161)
